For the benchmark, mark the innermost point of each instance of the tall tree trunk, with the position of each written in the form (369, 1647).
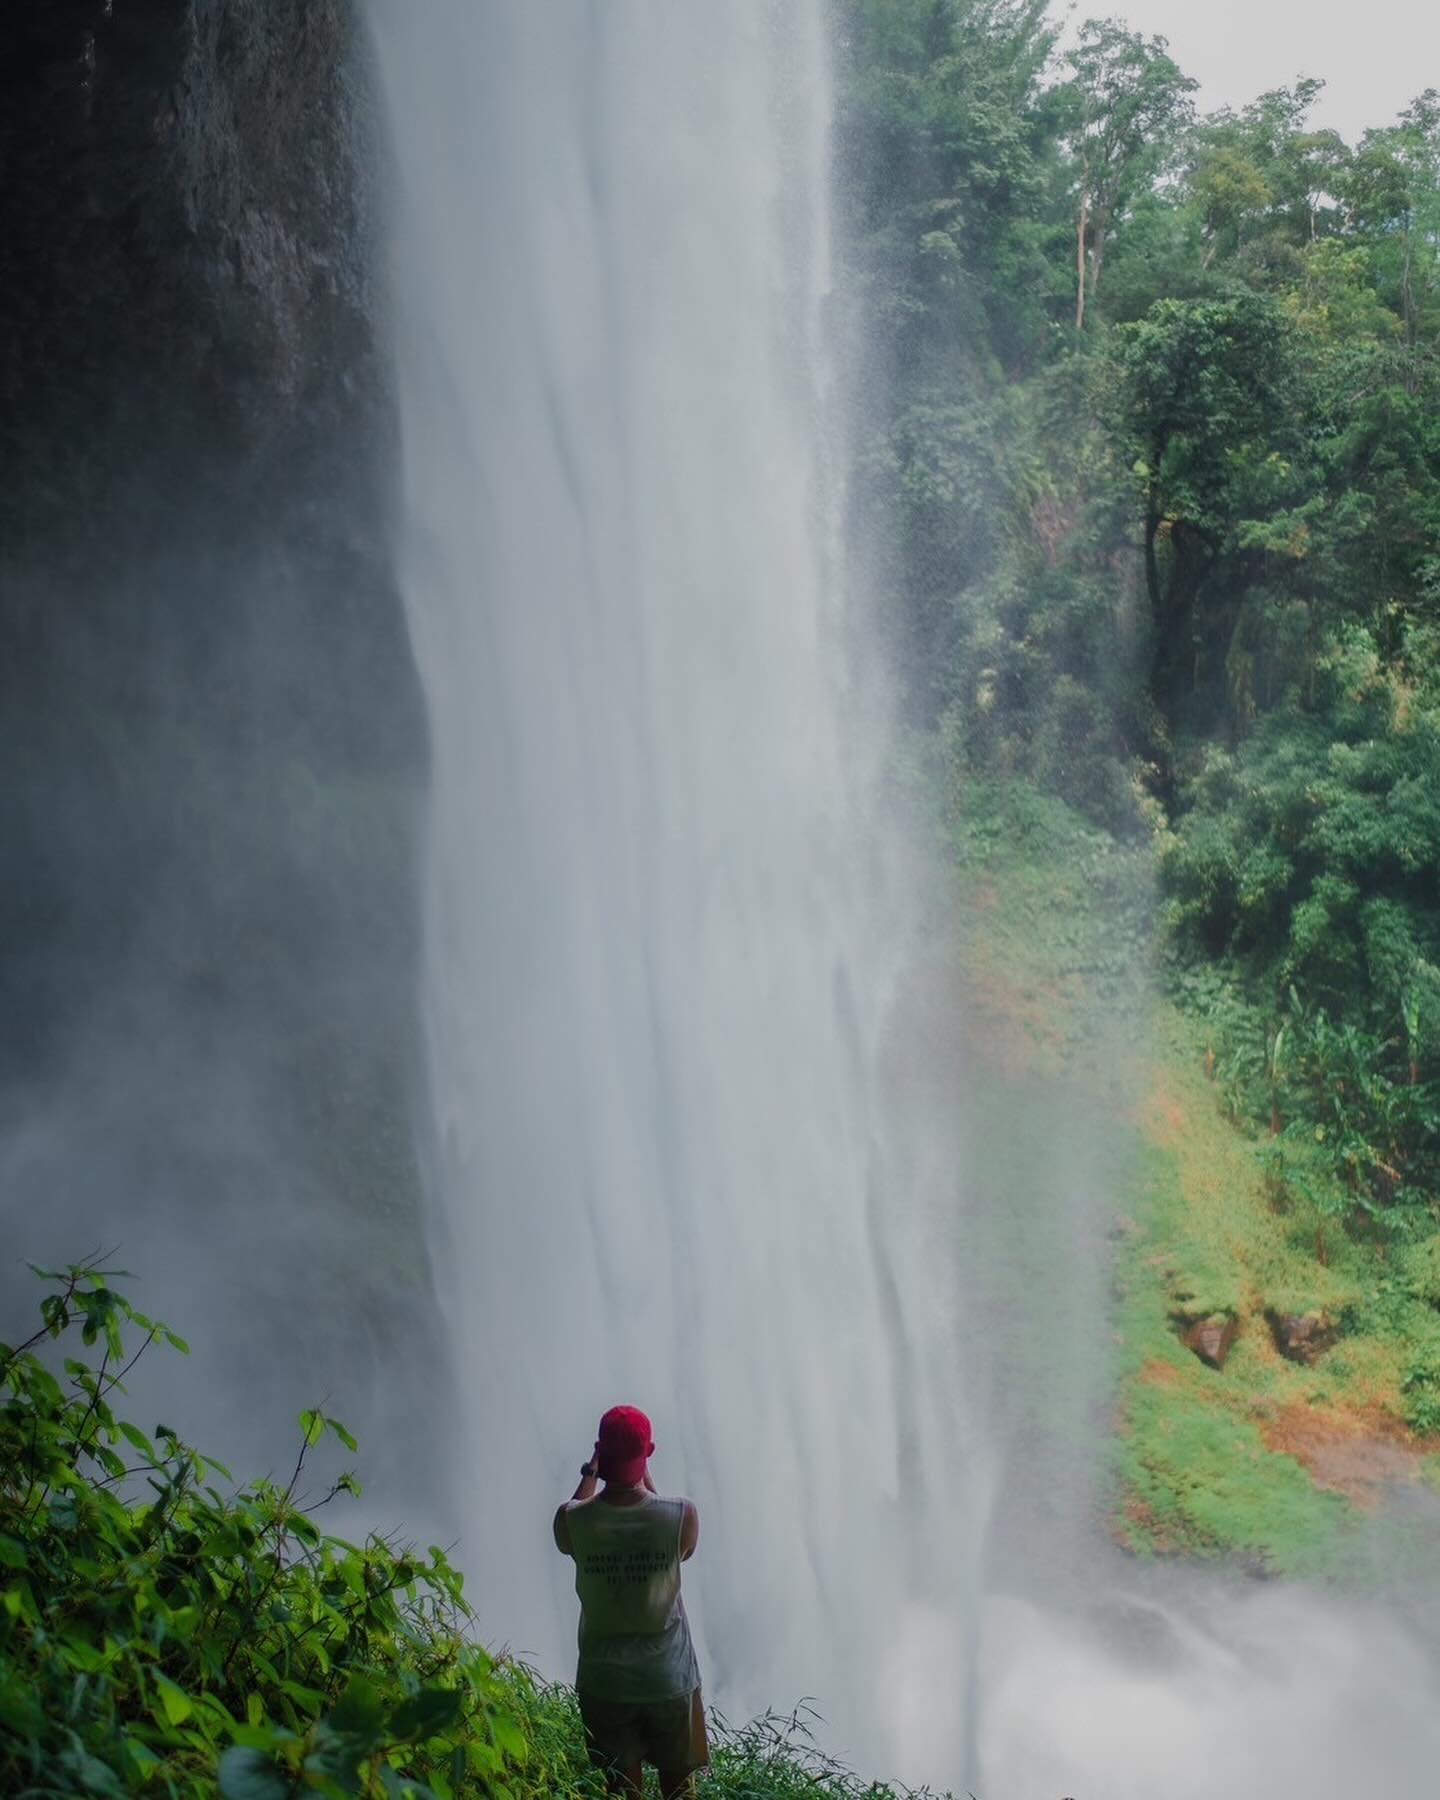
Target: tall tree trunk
(1152, 560)
(1098, 257)
(1407, 302)
(1080, 249)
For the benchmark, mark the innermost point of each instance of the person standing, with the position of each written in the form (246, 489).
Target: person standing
(638, 1681)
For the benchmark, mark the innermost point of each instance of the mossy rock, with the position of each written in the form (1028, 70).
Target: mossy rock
(1212, 1338)
(1303, 1337)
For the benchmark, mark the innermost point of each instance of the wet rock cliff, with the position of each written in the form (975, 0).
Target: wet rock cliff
(212, 748)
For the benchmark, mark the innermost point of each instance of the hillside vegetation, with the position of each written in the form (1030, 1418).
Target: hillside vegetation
(1153, 434)
(1316, 1458)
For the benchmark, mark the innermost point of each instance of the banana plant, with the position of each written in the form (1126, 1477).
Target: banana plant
(1274, 1068)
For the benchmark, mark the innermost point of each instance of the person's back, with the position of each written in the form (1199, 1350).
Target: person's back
(637, 1680)
(634, 1637)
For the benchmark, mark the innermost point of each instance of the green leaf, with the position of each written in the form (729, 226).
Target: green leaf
(341, 1433)
(95, 1776)
(133, 1435)
(352, 1573)
(18, 1600)
(177, 1704)
(312, 1425)
(308, 1697)
(12, 1553)
(262, 1737)
(426, 1713)
(19, 1712)
(108, 1460)
(403, 1787)
(246, 1774)
(509, 1738)
(359, 1712)
(483, 1758)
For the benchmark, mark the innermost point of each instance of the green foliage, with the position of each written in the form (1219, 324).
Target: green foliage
(1305, 862)
(1420, 1263)
(1201, 396)
(1421, 1389)
(1185, 561)
(1411, 1299)
(1311, 850)
(1151, 449)
(1194, 1473)
(162, 1635)
(1126, 101)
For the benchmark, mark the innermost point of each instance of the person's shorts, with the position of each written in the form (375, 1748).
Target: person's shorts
(668, 1733)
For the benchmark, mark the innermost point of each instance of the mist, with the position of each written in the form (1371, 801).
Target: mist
(679, 952)
(656, 983)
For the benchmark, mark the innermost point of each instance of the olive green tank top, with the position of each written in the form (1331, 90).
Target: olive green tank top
(634, 1636)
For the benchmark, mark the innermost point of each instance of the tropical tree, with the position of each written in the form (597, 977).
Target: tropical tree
(1128, 100)
(1203, 395)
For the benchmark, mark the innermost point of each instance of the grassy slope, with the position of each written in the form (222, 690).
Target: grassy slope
(1286, 1468)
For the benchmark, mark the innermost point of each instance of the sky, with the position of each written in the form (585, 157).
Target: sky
(1374, 55)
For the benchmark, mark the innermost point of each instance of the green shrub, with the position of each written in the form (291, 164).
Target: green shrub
(1420, 1389)
(1421, 1265)
(160, 1635)
(1308, 857)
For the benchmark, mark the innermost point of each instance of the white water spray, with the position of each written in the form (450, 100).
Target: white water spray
(653, 996)
(658, 963)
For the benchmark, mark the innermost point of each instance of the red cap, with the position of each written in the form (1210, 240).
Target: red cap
(622, 1446)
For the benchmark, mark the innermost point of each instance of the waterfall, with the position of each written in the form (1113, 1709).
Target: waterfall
(666, 929)
(655, 990)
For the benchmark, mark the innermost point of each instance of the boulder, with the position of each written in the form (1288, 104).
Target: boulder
(1211, 1339)
(1302, 1337)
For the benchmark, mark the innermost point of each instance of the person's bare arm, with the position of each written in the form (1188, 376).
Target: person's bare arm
(589, 1478)
(689, 1531)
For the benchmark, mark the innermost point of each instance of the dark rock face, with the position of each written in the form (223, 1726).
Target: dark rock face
(212, 735)
(1211, 1339)
(1303, 1337)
